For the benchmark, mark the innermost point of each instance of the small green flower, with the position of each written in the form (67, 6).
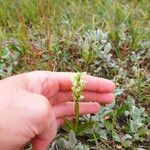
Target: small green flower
(77, 91)
(78, 85)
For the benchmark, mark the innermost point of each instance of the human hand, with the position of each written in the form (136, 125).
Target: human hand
(33, 105)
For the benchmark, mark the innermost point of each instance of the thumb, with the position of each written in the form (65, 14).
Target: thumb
(42, 141)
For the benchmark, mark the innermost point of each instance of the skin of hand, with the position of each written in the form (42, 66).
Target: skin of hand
(33, 105)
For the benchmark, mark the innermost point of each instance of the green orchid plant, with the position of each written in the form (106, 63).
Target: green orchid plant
(77, 92)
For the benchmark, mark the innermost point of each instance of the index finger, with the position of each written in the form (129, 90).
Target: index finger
(93, 84)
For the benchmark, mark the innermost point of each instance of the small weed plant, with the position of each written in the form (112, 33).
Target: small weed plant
(77, 91)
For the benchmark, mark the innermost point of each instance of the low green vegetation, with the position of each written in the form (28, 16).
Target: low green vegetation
(105, 38)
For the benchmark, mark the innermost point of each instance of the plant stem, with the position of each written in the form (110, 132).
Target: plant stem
(76, 115)
(96, 141)
(77, 88)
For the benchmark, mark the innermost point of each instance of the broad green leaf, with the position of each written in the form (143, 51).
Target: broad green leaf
(85, 126)
(72, 139)
(118, 91)
(81, 147)
(103, 134)
(135, 125)
(61, 142)
(136, 112)
(116, 137)
(127, 137)
(104, 111)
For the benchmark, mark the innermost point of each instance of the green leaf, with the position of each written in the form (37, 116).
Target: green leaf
(135, 125)
(143, 131)
(109, 126)
(103, 134)
(104, 111)
(118, 91)
(127, 143)
(148, 120)
(127, 137)
(116, 137)
(122, 109)
(72, 139)
(81, 147)
(85, 126)
(5, 53)
(68, 125)
(136, 113)
(17, 48)
(141, 148)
